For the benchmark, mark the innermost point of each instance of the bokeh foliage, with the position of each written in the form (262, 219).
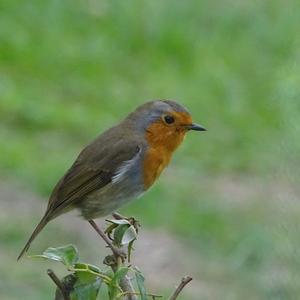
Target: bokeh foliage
(70, 69)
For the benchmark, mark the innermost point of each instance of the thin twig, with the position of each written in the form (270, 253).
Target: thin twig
(184, 281)
(125, 283)
(117, 253)
(58, 283)
(117, 216)
(101, 233)
(138, 294)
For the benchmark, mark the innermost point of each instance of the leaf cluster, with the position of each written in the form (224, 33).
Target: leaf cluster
(85, 280)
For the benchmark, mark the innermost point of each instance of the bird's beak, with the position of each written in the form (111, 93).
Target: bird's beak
(196, 127)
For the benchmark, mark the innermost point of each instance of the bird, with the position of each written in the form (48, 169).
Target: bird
(120, 164)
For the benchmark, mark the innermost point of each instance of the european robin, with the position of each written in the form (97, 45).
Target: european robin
(120, 164)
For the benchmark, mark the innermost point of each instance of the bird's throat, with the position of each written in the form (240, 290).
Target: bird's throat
(161, 145)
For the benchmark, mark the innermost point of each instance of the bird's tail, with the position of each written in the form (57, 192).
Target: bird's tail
(36, 231)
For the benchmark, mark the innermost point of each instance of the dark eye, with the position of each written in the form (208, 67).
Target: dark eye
(169, 119)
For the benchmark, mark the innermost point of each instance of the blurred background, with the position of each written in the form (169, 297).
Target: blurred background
(227, 209)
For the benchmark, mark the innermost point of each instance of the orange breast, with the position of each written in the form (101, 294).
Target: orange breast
(155, 161)
(162, 142)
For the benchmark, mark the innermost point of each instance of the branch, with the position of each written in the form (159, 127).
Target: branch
(127, 288)
(153, 296)
(184, 281)
(125, 282)
(58, 283)
(117, 253)
(117, 216)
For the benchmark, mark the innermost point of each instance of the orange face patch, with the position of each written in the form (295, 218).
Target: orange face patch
(163, 139)
(182, 118)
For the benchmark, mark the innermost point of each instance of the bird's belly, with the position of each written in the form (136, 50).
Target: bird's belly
(109, 198)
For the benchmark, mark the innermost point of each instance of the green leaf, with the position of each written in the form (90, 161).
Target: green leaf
(119, 222)
(119, 233)
(120, 274)
(87, 271)
(129, 251)
(113, 287)
(85, 277)
(86, 291)
(110, 229)
(81, 287)
(129, 235)
(87, 267)
(68, 255)
(86, 287)
(140, 280)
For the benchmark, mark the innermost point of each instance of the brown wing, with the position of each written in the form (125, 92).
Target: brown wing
(92, 170)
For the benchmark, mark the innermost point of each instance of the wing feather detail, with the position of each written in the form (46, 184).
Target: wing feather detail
(89, 174)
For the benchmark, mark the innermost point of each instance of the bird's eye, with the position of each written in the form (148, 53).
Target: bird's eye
(169, 119)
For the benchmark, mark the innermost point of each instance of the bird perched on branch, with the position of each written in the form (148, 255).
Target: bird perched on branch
(120, 164)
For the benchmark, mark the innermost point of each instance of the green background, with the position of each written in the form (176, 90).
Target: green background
(70, 69)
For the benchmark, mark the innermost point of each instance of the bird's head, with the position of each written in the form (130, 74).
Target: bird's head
(164, 122)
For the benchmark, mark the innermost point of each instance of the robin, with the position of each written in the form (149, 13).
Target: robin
(120, 164)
